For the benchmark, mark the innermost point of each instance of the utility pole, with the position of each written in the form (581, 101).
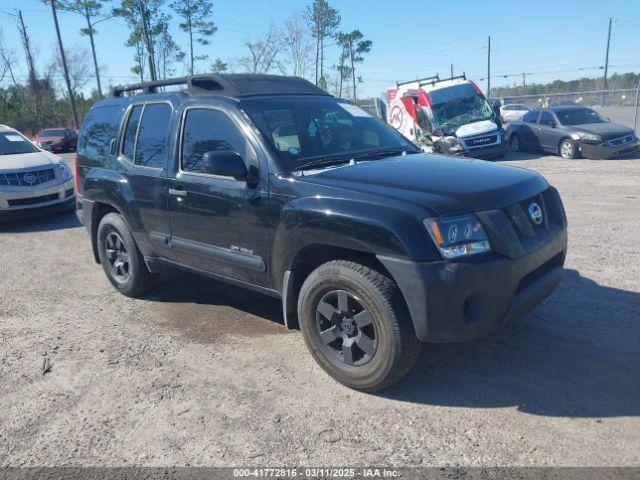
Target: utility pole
(524, 84)
(606, 63)
(76, 124)
(452, 70)
(489, 67)
(147, 40)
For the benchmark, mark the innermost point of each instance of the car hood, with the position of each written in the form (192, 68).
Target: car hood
(441, 184)
(47, 139)
(608, 128)
(20, 161)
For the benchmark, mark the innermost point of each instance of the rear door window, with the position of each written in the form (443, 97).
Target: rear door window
(146, 135)
(151, 143)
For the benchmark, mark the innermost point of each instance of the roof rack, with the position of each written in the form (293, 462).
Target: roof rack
(230, 85)
(431, 80)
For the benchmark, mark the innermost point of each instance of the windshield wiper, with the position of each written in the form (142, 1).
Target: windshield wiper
(389, 152)
(323, 162)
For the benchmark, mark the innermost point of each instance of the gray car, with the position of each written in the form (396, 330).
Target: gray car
(571, 132)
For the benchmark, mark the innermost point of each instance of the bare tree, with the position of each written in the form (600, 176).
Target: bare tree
(197, 24)
(8, 59)
(298, 43)
(91, 11)
(78, 66)
(263, 52)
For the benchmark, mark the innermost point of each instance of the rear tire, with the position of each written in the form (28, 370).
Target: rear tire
(121, 260)
(356, 326)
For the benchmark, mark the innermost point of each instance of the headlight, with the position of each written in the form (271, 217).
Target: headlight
(65, 171)
(589, 137)
(451, 144)
(458, 236)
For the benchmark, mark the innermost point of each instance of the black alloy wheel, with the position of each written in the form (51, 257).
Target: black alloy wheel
(346, 328)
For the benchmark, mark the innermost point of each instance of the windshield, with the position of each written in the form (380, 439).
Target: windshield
(578, 116)
(52, 132)
(459, 105)
(307, 130)
(12, 143)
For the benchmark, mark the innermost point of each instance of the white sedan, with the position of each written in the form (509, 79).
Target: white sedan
(32, 181)
(513, 112)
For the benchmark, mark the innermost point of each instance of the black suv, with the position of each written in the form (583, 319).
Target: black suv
(270, 183)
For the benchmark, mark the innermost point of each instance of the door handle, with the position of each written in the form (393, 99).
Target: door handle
(177, 193)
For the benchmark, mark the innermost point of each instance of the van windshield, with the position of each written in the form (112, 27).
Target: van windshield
(12, 143)
(305, 131)
(459, 105)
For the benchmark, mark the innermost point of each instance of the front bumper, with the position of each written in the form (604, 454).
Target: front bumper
(494, 151)
(597, 152)
(457, 301)
(27, 202)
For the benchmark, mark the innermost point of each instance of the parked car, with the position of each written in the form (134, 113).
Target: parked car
(57, 139)
(269, 183)
(571, 132)
(513, 111)
(32, 181)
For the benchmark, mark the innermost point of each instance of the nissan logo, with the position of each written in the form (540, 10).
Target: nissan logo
(535, 212)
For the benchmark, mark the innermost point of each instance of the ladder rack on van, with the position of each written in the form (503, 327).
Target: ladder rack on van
(431, 80)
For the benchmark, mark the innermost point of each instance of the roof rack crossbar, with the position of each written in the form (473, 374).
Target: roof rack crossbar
(147, 87)
(435, 77)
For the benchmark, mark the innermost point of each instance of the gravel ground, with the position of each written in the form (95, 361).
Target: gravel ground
(200, 373)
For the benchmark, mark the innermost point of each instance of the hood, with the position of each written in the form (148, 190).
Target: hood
(47, 139)
(442, 184)
(476, 128)
(27, 160)
(608, 128)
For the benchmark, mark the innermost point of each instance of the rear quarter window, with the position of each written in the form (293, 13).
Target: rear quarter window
(99, 128)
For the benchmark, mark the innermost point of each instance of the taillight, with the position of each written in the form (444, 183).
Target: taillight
(76, 174)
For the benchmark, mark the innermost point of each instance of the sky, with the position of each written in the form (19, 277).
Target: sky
(547, 39)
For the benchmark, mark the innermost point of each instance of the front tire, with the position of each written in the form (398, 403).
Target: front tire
(356, 326)
(121, 260)
(568, 149)
(514, 144)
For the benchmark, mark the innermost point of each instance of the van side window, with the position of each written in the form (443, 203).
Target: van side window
(129, 141)
(151, 142)
(98, 130)
(207, 130)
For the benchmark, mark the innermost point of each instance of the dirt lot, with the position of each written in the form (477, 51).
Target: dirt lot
(201, 373)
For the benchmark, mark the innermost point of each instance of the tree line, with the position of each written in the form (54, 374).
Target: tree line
(300, 46)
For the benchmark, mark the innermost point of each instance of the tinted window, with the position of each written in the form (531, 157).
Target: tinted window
(530, 117)
(151, 143)
(98, 129)
(546, 118)
(207, 130)
(129, 141)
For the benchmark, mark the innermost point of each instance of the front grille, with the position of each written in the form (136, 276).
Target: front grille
(512, 230)
(616, 142)
(27, 179)
(481, 141)
(32, 200)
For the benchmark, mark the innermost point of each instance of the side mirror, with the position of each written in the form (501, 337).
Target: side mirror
(225, 163)
(553, 124)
